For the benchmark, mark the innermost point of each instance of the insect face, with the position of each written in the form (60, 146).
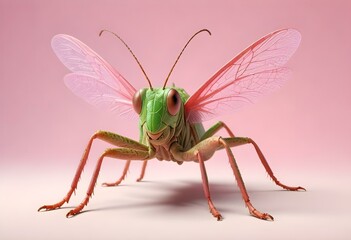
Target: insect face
(158, 111)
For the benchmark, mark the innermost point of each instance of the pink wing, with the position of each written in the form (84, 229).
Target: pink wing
(257, 70)
(93, 79)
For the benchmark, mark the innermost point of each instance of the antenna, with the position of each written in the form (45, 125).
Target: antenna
(130, 50)
(169, 74)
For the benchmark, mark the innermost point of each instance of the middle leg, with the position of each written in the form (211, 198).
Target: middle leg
(218, 126)
(215, 128)
(142, 173)
(124, 174)
(233, 142)
(110, 137)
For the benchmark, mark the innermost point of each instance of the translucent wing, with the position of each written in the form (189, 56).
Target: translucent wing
(257, 70)
(93, 79)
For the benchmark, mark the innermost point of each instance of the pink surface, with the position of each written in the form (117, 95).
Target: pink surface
(303, 127)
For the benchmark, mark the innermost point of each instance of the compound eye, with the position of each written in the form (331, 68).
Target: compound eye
(173, 102)
(137, 101)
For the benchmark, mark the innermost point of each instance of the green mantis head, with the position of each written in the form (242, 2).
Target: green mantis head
(159, 110)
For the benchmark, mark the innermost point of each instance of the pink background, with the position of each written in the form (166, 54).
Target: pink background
(304, 128)
(308, 119)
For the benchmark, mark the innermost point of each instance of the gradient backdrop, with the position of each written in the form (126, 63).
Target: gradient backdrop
(304, 128)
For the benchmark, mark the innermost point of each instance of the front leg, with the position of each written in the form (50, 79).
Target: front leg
(203, 151)
(199, 153)
(109, 137)
(119, 153)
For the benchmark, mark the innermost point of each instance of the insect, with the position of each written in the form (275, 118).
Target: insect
(170, 121)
